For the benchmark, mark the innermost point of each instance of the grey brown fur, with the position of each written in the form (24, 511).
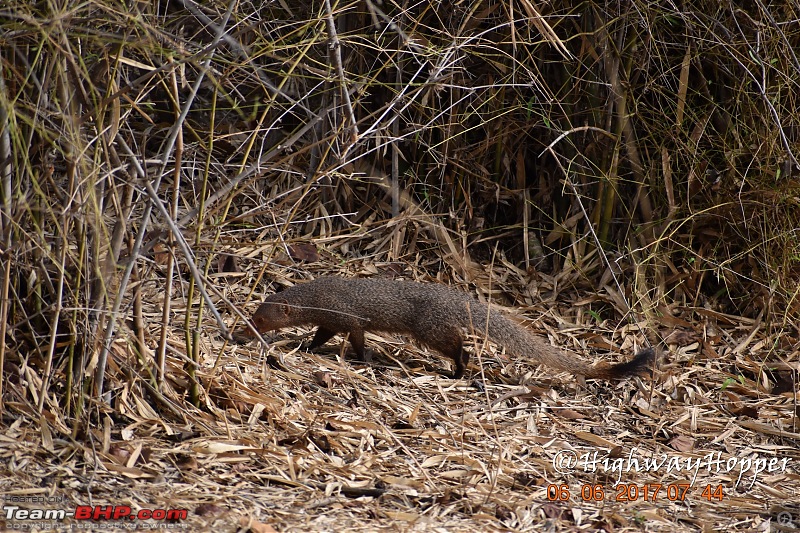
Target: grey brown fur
(433, 314)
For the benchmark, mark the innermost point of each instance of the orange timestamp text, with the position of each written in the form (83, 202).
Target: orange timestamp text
(630, 492)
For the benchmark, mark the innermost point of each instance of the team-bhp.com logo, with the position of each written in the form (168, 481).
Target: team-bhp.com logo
(96, 513)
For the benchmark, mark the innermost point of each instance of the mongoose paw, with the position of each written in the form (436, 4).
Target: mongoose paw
(368, 356)
(450, 375)
(242, 336)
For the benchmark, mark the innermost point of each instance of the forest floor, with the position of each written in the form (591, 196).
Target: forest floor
(294, 441)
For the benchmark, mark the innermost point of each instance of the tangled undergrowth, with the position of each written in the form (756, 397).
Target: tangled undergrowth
(621, 175)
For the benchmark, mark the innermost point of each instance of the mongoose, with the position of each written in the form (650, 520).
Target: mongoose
(433, 314)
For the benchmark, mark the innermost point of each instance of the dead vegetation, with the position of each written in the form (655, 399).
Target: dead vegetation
(620, 174)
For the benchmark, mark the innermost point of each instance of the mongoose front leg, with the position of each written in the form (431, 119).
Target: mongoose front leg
(321, 336)
(461, 360)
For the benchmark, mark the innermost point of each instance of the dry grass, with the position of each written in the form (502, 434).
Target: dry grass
(620, 174)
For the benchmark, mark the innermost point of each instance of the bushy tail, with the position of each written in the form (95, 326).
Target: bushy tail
(518, 340)
(641, 364)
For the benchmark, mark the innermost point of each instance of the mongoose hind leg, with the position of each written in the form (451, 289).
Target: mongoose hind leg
(357, 342)
(451, 344)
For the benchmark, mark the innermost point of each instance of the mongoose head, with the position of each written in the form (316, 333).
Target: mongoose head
(272, 315)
